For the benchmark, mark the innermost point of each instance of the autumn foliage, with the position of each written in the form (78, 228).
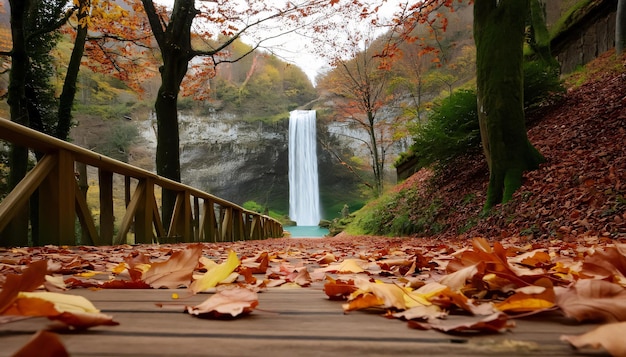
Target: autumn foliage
(484, 284)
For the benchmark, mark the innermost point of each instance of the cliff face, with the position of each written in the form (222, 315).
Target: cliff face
(248, 161)
(230, 158)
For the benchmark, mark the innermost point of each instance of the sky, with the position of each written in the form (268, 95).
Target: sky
(292, 48)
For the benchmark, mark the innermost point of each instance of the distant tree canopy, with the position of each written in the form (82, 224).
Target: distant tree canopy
(260, 85)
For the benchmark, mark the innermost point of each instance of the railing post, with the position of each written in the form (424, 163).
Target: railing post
(57, 211)
(144, 214)
(208, 224)
(107, 218)
(181, 223)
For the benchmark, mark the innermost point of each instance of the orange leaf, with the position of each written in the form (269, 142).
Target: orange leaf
(363, 301)
(339, 289)
(31, 278)
(43, 344)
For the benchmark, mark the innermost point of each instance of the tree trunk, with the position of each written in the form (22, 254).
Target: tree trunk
(66, 100)
(175, 44)
(620, 27)
(16, 234)
(499, 36)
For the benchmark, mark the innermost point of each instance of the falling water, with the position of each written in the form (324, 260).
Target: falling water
(304, 202)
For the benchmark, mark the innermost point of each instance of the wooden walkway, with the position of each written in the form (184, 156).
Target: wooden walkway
(287, 322)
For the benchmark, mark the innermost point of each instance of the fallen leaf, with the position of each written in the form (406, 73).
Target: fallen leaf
(32, 277)
(348, 266)
(388, 295)
(421, 312)
(258, 264)
(593, 300)
(497, 322)
(530, 298)
(214, 276)
(233, 302)
(72, 310)
(609, 336)
(43, 344)
(176, 271)
(339, 289)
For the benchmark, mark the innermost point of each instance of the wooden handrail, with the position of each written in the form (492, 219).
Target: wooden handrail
(198, 216)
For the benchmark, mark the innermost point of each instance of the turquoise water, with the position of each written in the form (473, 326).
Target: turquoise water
(306, 231)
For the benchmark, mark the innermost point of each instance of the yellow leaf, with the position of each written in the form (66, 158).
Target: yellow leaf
(388, 295)
(347, 266)
(63, 302)
(214, 276)
(118, 269)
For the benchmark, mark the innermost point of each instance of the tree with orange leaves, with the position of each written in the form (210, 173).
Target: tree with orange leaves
(360, 88)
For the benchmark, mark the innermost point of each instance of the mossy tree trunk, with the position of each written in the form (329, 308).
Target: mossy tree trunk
(499, 35)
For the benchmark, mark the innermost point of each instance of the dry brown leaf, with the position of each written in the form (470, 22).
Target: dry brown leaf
(176, 271)
(593, 300)
(497, 322)
(609, 336)
(226, 303)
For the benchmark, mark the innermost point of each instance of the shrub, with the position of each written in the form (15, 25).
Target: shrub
(452, 129)
(541, 82)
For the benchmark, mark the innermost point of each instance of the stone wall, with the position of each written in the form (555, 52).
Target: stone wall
(591, 35)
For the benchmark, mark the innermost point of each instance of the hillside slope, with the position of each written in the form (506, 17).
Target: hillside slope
(580, 190)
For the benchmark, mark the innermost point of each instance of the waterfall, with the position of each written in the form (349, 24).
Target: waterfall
(304, 202)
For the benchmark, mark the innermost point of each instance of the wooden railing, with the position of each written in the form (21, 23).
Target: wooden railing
(197, 216)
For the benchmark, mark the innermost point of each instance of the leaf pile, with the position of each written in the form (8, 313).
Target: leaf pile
(579, 190)
(484, 284)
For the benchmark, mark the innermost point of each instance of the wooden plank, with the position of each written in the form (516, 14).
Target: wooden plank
(288, 322)
(25, 188)
(57, 207)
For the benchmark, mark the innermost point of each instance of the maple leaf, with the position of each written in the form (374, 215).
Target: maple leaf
(497, 322)
(226, 303)
(176, 271)
(608, 336)
(593, 300)
(43, 344)
(214, 276)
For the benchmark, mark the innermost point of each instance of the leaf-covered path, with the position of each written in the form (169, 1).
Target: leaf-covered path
(347, 295)
(289, 322)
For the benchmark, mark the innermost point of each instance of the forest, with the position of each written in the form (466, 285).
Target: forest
(406, 83)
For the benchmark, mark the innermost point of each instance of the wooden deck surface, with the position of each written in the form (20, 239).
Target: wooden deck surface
(287, 322)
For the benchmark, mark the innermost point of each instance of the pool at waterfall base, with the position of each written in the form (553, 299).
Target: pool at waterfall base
(306, 231)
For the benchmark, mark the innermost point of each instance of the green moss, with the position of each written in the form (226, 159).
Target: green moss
(571, 17)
